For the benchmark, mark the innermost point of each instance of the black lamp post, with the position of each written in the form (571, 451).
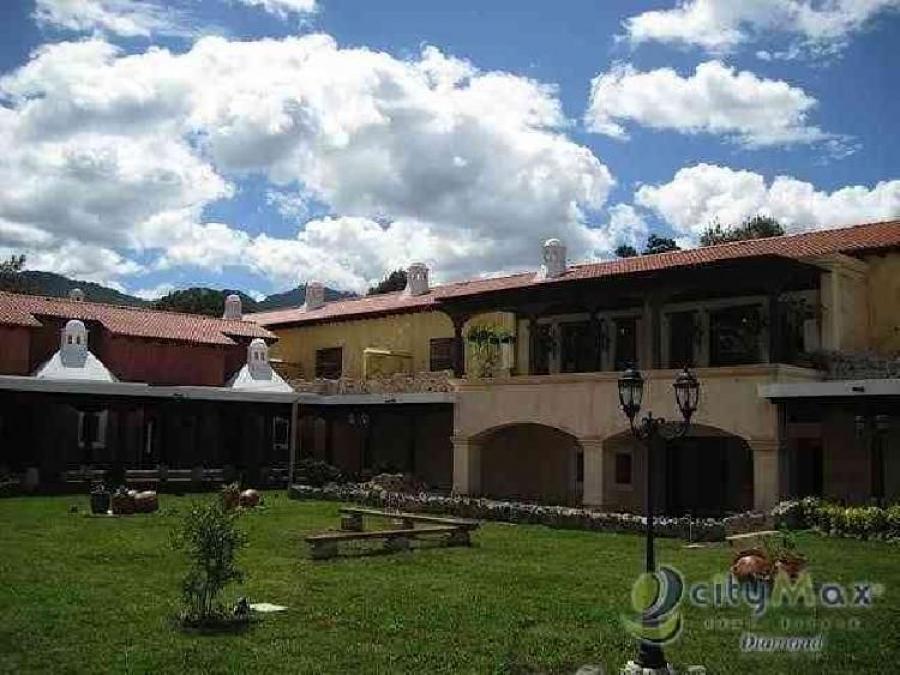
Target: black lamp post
(649, 430)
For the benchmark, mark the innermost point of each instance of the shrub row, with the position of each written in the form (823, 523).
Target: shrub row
(562, 517)
(865, 522)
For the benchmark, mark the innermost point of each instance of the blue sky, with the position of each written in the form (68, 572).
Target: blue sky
(280, 141)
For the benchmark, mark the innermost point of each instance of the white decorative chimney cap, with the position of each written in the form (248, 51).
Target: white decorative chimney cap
(258, 357)
(73, 345)
(77, 295)
(315, 296)
(417, 279)
(233, 307)
(554, 259)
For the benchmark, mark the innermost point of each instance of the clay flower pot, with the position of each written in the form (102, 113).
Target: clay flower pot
(751, 565)
(249, 498)
(146, 502)
(790, 565)
(231, 496)
(123, 502)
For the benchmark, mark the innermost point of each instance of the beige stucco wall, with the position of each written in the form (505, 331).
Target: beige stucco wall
(845, 297)
(410, 334)
(883, 291)
(587, 405)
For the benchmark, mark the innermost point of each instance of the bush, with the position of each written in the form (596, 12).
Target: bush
(211, 539)
(317, 473)
(846, 521)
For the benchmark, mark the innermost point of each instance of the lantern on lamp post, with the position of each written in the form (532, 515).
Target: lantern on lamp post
(649, 430)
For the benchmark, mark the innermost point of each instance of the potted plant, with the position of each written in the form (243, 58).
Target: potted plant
(99, 498)
(231, 495)
(782, 551)
(751, 565)
(122, 501)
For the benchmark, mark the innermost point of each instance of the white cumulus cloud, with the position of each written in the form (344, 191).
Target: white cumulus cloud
(127, 18)
(719, 26)
(427, 158)
(716, 99)
(700, 195)
(283, 8)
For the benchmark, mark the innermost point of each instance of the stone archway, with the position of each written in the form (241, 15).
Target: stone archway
(531, 462)
(709, 472)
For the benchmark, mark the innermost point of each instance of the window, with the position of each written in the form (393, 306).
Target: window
(735, 335)
(329, 363)
(682, 333)
(625, 343)
(579, 349)
(92, 429)
(623, 468)
(441, 354)
(280, 433)
(543, 345)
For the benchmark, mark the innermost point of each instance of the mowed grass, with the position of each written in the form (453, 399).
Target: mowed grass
(81, 594)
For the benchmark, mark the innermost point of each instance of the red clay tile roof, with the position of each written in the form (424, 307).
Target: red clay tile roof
(855, 239)
(26, 310)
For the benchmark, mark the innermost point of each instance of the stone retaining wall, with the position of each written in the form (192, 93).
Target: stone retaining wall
(563, 517)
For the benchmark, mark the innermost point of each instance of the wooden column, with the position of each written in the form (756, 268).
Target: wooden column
(459, 351)
(532, 343)
(293, 441)
(596, 332)
(775, 337)
(652, 332)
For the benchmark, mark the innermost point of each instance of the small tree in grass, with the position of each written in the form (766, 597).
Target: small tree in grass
(211, 539)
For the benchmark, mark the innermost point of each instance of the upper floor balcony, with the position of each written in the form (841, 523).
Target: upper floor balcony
(729, 313)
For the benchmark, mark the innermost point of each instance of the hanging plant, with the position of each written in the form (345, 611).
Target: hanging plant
(485, 341)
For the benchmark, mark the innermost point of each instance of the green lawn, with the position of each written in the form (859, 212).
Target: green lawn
(82, 594)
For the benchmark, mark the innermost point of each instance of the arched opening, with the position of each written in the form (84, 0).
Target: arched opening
(708, 472)
(531, 462)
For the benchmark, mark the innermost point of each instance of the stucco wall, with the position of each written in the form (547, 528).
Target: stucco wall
(883, 290)
(14, 352)
(164, 363)
(410, 333)
(587, 405)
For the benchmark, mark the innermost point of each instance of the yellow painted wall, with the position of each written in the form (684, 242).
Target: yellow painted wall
(884, 302)
(409, 333)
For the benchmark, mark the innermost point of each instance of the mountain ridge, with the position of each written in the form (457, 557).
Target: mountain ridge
(195, 299)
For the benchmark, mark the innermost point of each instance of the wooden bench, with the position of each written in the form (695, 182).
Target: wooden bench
(352, 519)
(325, 545)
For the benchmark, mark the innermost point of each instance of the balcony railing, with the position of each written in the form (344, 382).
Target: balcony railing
(398, 383)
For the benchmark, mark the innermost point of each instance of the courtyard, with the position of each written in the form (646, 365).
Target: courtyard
(99, 594)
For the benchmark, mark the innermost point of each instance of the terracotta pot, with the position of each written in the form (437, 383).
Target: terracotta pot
(751, 565)
(230, 498)
(146, 502)
(792, 566)
(122, 503)
(249, 498)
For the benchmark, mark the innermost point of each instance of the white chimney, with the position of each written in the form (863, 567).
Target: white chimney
(258, 359)
(416, 279)
(73, 344)
(76, 295)
(315, 296)
(554, 265)
(233, 307)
